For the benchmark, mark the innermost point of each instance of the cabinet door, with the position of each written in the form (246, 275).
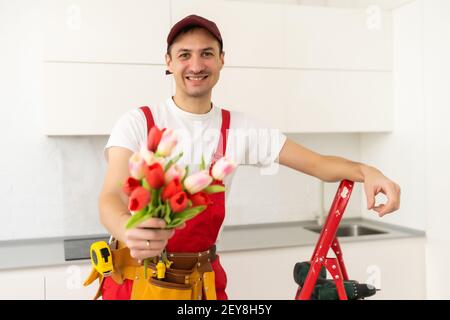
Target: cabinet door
(106, 30)
(245, 90)
(338, 39)
(252, 32)
(87, 99)
(338, 101)
(66, 282)
(310, 100)
(263, 274)
(395, 266)
(22, 285)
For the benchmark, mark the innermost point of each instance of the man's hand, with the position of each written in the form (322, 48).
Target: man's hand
(334, 169)
(374, 183)
(149, 238)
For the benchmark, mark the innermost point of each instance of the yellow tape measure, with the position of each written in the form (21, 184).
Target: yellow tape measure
(101, 258)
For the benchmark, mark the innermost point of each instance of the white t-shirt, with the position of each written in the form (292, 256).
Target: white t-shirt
(248, 142)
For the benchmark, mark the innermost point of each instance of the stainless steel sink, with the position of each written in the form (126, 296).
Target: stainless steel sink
(350, 230)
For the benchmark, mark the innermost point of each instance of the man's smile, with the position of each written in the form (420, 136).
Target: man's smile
(196, 79)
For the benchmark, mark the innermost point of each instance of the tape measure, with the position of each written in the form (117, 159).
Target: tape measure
(101, 258)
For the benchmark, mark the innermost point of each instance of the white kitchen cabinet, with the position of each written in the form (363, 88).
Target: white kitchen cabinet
(338, 101)
(253, 33)
(66, 282)
(292, 36)
(106, 30)
(333, 38)
(295, 68)
(26, 284)
(395, 266)
(242, 89)
(310, 100)
(88, 99)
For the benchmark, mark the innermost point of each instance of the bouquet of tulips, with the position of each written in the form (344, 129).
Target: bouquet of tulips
(159, 187)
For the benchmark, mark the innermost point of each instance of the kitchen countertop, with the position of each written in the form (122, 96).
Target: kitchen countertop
(61, 251)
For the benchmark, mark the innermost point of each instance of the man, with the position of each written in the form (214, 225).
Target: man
(195, 57)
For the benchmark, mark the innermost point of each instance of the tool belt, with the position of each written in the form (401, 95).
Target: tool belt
(190, 276)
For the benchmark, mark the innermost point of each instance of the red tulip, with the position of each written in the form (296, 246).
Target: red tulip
(130, 184)
(154, 175)
(139, 198)
(178, 202)
(173, 187)
(154, 137)
(199, 199)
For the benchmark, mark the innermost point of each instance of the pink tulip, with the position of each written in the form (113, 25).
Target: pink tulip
(197, 181)
(147, 155)
(136, 166)
(175, 171)
(222, 168)
(167, 143)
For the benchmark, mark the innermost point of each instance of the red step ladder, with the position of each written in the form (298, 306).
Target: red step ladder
(327, 239)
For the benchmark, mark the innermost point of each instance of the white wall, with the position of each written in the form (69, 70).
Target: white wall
(383, 4)
(401, 154)
(436, 32)
(50, 185)
(420, 143)
(291, 195)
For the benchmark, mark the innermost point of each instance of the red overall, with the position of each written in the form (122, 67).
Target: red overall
(200, 232)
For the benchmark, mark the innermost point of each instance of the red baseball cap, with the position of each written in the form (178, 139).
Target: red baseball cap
(193, 20)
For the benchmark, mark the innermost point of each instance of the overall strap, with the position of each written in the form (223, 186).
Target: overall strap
(222, 146)
(149, 117)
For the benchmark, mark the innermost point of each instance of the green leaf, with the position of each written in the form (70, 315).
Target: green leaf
(185, 175)
(156, 201)
(158, 196)
(167, 217)
(159, 212)
(214, 189)
(186, 215)
(150, 210)
(173, 161)
(145, 185)
(175, 223)
(137, 218)
(202, 164)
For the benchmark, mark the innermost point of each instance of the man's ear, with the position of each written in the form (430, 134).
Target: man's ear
(222, 59)
(168, 61)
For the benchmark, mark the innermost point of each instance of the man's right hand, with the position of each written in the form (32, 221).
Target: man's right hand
(149, 238)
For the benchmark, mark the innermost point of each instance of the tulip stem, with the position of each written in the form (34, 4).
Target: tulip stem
(202, 164)
(154, 198)
(145, 267)
(173, 161)
(185, 175)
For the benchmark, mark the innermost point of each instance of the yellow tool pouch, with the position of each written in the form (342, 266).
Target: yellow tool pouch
(190, 277)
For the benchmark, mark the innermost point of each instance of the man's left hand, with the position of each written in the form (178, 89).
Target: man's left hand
(374, 183)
